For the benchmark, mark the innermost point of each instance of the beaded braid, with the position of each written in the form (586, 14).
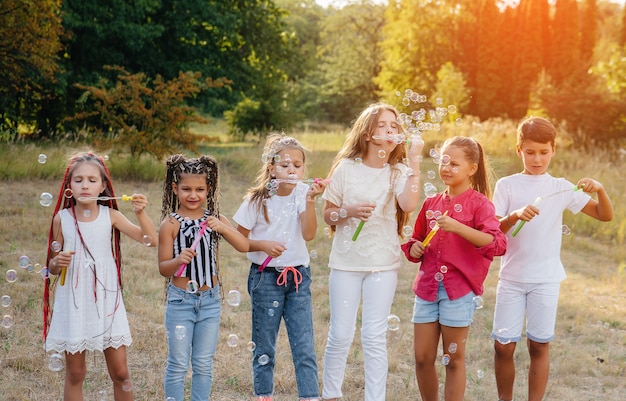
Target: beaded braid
(66, 200)
(178, 164)
(274, 143)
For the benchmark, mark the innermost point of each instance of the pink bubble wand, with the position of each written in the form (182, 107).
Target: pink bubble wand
(194, 245)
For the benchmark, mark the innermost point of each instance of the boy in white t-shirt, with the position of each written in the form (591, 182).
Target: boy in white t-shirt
(531, 270)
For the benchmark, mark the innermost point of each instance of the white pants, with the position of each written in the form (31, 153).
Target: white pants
(346, 287)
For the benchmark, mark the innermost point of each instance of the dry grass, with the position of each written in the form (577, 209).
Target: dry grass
(588, 356)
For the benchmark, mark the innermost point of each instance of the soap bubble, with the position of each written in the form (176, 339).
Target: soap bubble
(180, 332)
(23, 261)
(313, 254)
(5, 301)
(233, 298)
(458, 208)
(264, 359)
(343, 213)
(565, 230)
(251, 346)
(192, 286)
(393, 323)
(407, 230)
(45, 199)
(478, 302)
(7, 321)
(270, 312)
(334, 216)
(232, 340)
(42, 158)
(147, 240)
(445, 359)
(55, 362)
(11, 276)
(55, 246)
(431, 174)
(382, 154)
(452, 348)
(438, 276)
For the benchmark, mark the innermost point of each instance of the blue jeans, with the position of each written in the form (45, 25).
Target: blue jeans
(192, 322)
(271, 303)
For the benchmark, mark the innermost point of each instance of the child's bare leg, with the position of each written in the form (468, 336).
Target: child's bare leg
(454, 341)
(539, 369)
(504, 365)
(425, 341)
(118, 370)
(75, 372)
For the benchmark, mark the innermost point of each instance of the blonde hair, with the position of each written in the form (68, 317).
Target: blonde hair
(274, 144)
(355, 145)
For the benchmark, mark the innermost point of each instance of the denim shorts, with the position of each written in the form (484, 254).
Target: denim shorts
(457, 313)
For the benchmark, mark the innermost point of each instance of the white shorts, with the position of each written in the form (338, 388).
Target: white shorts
(537, 301)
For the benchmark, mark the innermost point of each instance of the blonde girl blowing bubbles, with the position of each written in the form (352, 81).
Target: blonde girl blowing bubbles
(278, 217)
(84, 250)
(370, 183)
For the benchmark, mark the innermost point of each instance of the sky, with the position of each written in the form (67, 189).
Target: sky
(338, 3)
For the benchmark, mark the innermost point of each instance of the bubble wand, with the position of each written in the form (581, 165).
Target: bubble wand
(432, 233)
(194, 245)
(105, 198)
(66, 248)
(538, 201)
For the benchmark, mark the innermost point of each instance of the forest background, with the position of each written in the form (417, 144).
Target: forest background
(100, 69)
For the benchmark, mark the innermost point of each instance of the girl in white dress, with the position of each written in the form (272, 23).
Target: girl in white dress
(84, 252)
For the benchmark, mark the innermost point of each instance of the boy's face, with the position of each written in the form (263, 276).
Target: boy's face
(535, 156)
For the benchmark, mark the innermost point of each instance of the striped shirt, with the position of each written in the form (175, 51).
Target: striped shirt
(204, 264)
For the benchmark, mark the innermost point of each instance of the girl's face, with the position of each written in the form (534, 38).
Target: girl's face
(192, 191)
(290, 166)
(384, 139)
(535, 156)
(455, 170)
(86, 182)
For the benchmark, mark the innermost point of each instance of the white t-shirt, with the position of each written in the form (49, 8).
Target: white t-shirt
(284, 226)
(533, 255)
(377, 246)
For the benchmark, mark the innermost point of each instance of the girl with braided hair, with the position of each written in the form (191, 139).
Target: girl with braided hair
(188, 256)
(84, 251)
(278, 216)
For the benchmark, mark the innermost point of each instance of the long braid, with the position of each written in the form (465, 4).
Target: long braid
(177, 165)
(66, 200)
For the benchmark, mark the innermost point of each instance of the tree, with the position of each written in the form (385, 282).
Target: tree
(29, 43)
(588, 32)
(147, 116)
(565, 36)
(350, 59)
(241, 41)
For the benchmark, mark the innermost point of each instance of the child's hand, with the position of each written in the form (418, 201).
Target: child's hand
(315, 189)
(361, 211)
(274, 248)
(215, 224)
(447, 223)
(589, 185)
(63, 259)
(417, 250)
(186, 256)
(138, 202)
(415, 150)
(527, 213)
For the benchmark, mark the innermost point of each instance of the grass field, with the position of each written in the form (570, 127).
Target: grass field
(588, 355)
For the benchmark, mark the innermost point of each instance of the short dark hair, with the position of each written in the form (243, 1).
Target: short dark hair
(536, 129)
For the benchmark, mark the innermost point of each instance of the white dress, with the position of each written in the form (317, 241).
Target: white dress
(88, 312)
